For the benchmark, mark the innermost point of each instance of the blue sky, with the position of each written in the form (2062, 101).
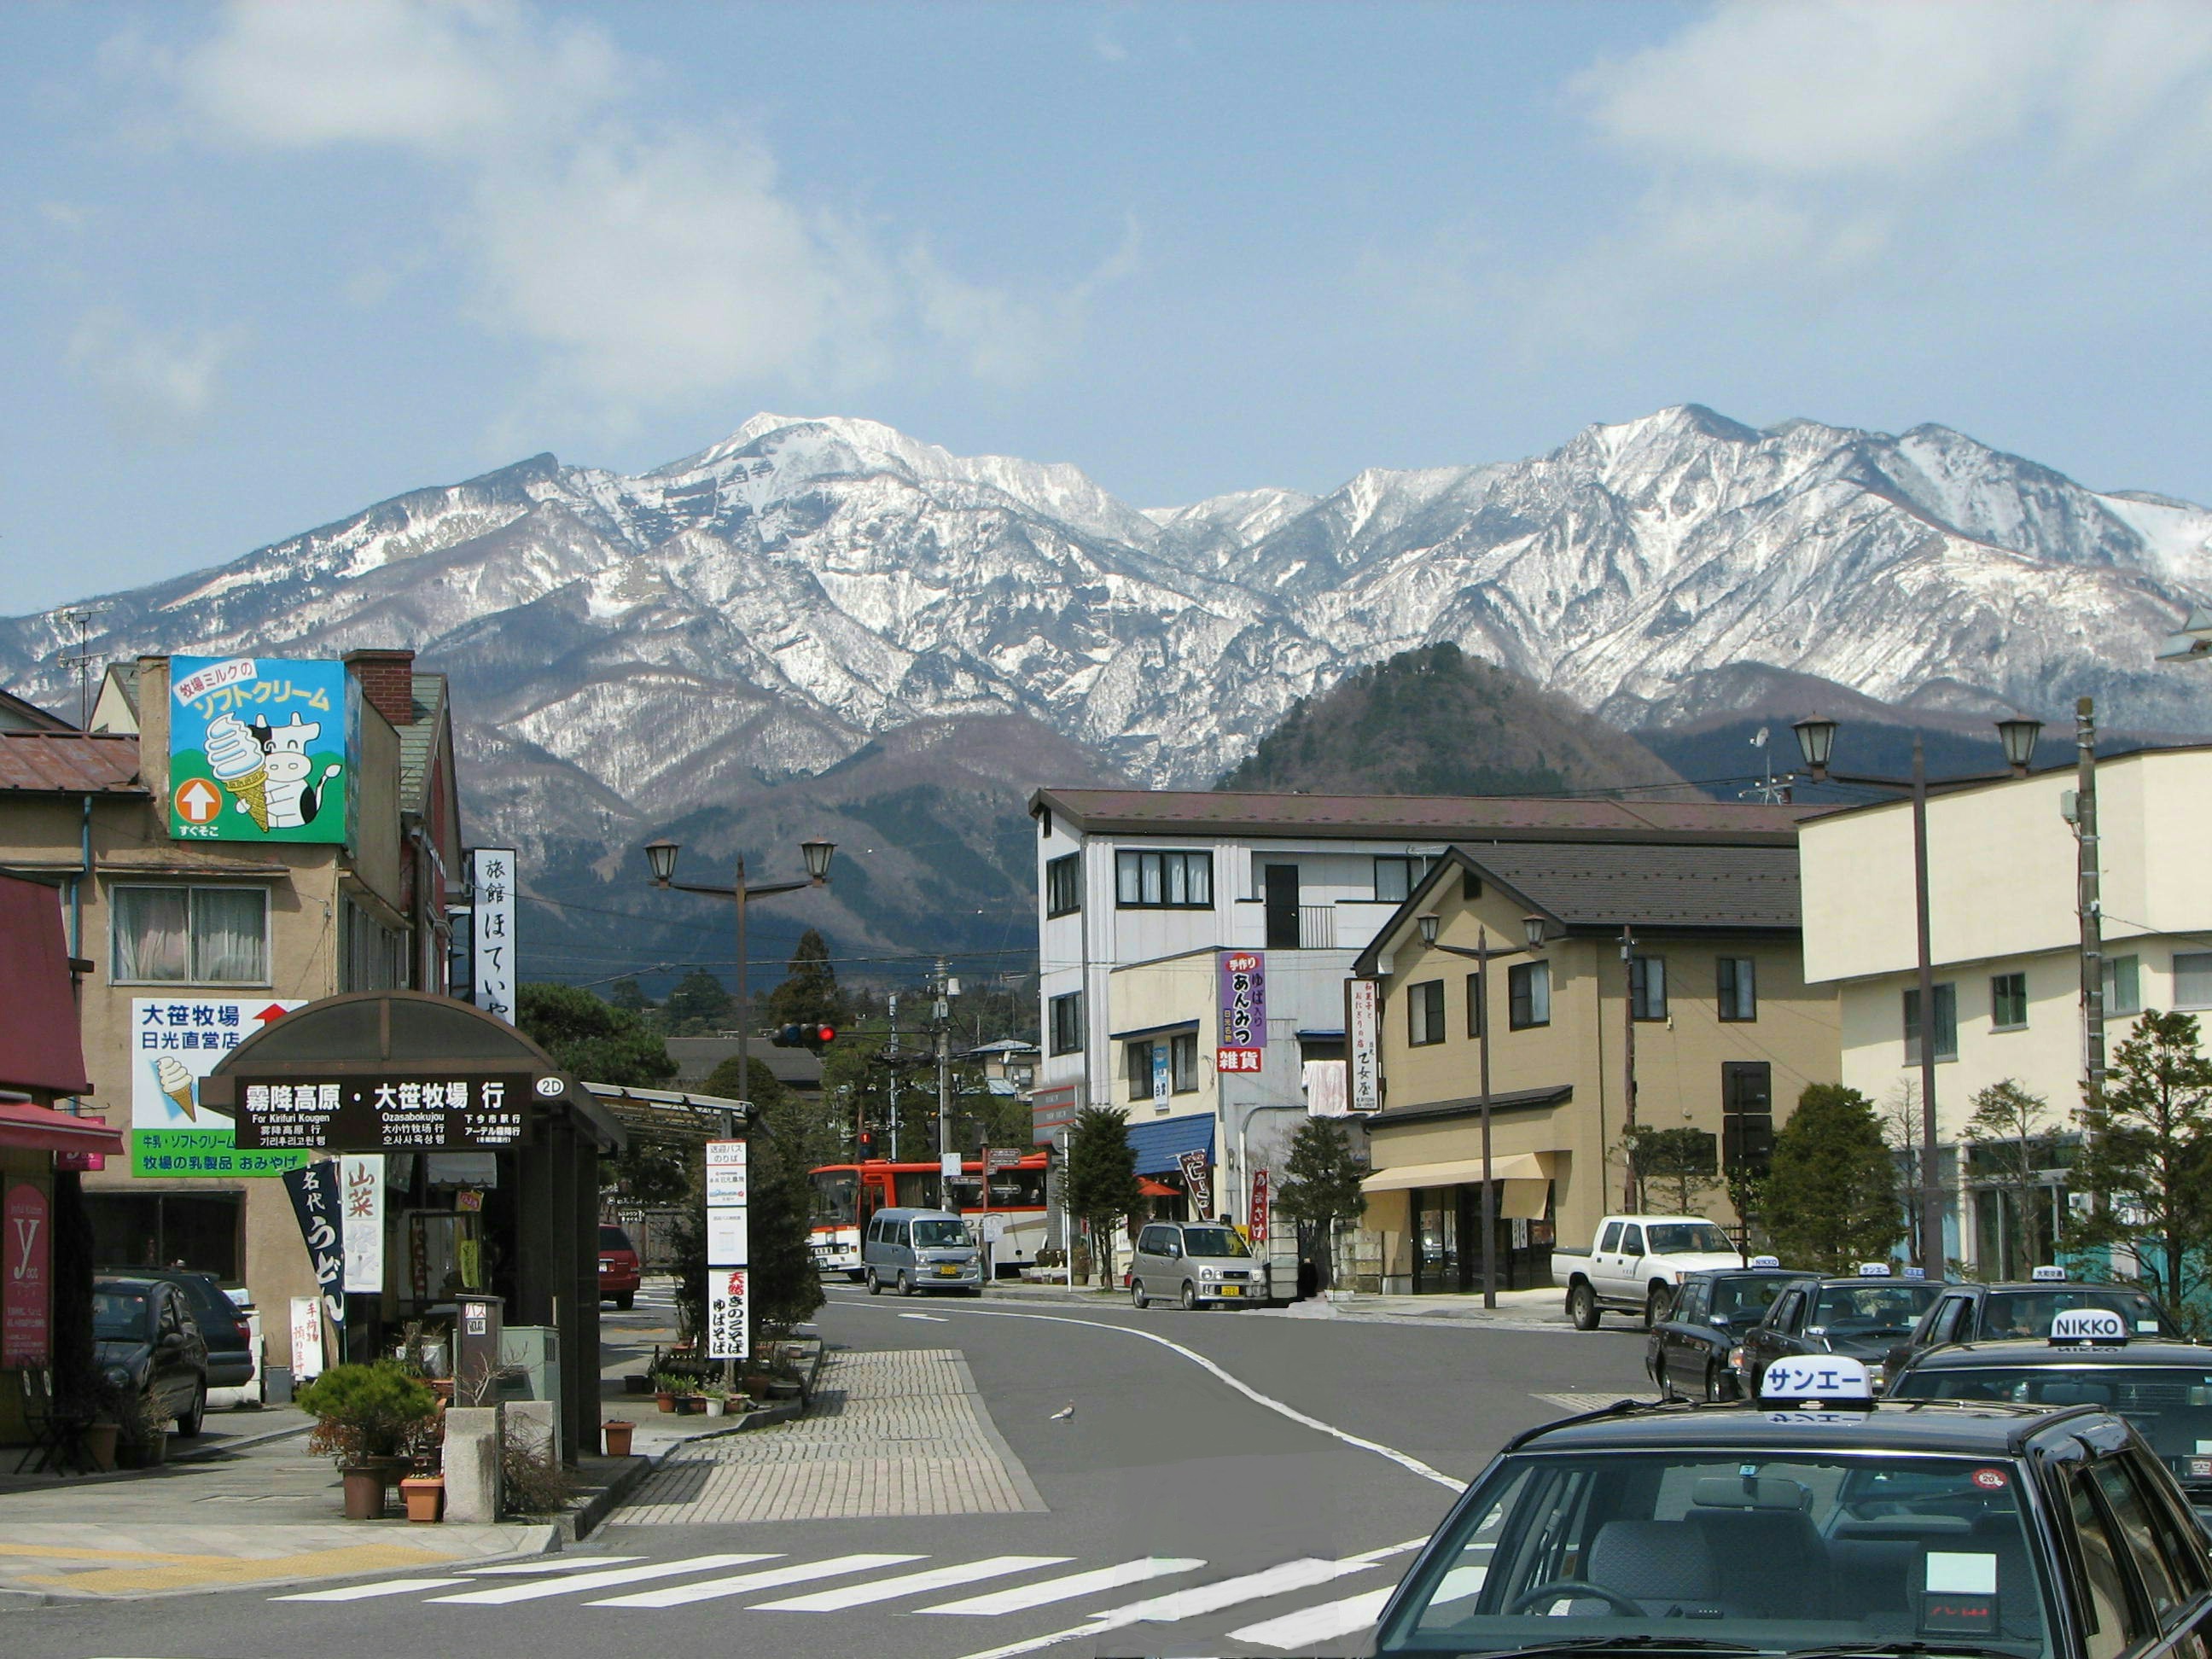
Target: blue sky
(261, 265)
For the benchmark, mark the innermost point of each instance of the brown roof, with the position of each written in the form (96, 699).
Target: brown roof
(69, 764)
(1425, 818)
(1676, 885)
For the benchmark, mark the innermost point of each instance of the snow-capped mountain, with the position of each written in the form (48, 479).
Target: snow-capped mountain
(767, 607)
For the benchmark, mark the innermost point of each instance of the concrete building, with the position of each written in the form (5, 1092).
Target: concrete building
(2005, 939)
(1726, 1033)
(193, 943)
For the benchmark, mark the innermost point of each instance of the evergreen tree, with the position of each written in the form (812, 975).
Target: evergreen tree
(1102, 1178)
(1320, 1184)
(1831, 1197)
(2011, 1128)
(2147, 1156)
(629, 996)
(590, 1040)
(809, 995)
(700, 1002)
(784, 1286)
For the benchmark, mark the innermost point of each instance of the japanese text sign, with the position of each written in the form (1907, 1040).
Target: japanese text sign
(1364, 1027)
(361, 1177)
(320, 1206)
(1197, 1180)
(258, 750)
(728, 1330)
(398, 1114)
(491, 881)
(175, 1041)
(1243, 1036)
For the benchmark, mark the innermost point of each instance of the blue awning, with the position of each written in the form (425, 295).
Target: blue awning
(1161, 1142)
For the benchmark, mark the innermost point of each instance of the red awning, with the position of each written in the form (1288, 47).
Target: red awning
(42, 1129)
(40, 1052)
(1151, 1189)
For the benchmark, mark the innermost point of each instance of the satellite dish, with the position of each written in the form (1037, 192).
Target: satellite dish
(1760, 742)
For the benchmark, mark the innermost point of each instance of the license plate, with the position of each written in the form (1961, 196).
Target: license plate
(1232, 1290)
(948, 1273)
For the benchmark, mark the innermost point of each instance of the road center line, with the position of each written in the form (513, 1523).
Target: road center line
(1403, 1460)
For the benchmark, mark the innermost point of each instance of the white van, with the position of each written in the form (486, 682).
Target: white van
(912, 1250)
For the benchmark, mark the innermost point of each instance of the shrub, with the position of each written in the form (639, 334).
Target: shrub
(366, 1411)
(531, 1478)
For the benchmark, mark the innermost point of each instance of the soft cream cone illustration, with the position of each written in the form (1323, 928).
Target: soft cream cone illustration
(176, 1082)
(238, 765)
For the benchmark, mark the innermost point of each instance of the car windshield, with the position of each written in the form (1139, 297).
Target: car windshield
(940, 1235)
(2029, 1312)
(2171, 1406)
(1872, 1310)
(1685, 1238)
(1775, 1553)
(1751, 1296)
(1214, 1241)
(118, 1313)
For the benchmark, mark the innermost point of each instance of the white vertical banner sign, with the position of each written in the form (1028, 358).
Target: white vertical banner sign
(729, 1329)
(361, 1192)
(1364, 1027)
(307, 1338)
(491, 883)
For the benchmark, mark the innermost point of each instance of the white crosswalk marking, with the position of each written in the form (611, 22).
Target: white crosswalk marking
(364, 1592)
(885, 1589)
(679, 1596)
(1024, 1596)
(543, 1586)
(1192, 1603)
(1308, 1625)
(559, 1564)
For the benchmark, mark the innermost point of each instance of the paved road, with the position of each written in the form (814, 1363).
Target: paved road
(1227, 1483)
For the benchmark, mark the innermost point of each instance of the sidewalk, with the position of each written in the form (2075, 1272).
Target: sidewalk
(1534, 1310)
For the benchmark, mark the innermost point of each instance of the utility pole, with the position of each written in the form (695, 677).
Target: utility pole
(1628, 1064)
(1932, 1254)
(2090, 897)
(941, 1018)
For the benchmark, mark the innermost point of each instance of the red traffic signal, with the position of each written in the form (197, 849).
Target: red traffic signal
(825, 1034)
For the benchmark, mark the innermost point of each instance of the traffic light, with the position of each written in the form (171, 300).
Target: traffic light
(867, 1143)
(809, 1035)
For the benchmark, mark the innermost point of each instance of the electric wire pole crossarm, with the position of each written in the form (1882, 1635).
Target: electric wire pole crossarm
(1532, 928)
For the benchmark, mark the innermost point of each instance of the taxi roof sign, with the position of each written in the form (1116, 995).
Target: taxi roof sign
(2046, 1274)
(1916, 1272)
(1873, 1270)
(1766, 1262)
(1812, 1381)
(2091, 1327)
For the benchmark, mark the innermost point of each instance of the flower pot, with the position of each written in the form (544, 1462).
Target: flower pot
(781, 1389)
(364, 1493)
(616, 1434)
(425, 1495)
(666, 1398)
(690, 1405)
(99, 1444)
(637, 1384)
(714, 1405)
(443, 1387)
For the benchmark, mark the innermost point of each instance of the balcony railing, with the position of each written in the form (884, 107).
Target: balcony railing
(1317, 927)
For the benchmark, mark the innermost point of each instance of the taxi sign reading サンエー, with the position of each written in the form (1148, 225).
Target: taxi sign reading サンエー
(2096, 1325)
(1816, 1378)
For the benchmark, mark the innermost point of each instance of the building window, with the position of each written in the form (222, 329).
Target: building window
(1947, 1024)
(1424, 1012)
(1746, 1115)
(1182, 1062)
(2008, 1001)
(1139, 1060)
(2123, 985)
(1067, 1023)
(189, 936)
(1647, 987)
(1738, 987)
(1163, 881)
(1474, 1004)
(1396, 877)
(2192, 979)
(370, 956)
(1528, 995)
(1063, 885)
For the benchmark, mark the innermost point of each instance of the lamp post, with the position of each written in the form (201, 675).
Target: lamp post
(660, 858)
(1816, 738)
(1482, 956)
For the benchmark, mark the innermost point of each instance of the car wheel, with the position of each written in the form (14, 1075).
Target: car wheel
(1136, 1296)
(905, 1287)
(188, 1423)
(869, 1278)
(1656, 1306)
(1582, 1308)
(1714, 1392)
(1189, 1296)
(626, 1301)
(1666, 1383)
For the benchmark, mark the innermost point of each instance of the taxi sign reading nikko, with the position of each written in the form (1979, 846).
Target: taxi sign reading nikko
(2092, 1327)
(1814, 1379)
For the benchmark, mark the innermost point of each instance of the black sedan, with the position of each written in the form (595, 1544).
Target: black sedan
(147, 1343)
(1992, 1313)
(1687, 1352)
(1861, 1315)
(222, 1322)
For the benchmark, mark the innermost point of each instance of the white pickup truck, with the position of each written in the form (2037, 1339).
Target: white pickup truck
(1636, 1264)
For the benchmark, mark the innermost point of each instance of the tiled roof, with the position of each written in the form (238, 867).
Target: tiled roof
(416, 741)
(1587, 884)
(1419, 818)
(69, 763)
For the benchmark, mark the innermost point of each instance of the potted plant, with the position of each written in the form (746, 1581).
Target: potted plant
(616, 1433)
(424, 1496)
(665, 1387)
(368, 1418)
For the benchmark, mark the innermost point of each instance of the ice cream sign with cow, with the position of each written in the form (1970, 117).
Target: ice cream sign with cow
(258, 750)
(175, 1041)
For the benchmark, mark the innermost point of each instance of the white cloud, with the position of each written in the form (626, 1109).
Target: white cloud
(1006, 337)
(158, 388)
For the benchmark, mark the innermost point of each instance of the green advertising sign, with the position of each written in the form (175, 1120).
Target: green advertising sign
(258, 750)
(174, 1043)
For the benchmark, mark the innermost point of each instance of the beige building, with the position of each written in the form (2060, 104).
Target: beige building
(185, 945)
(1725, 1031)
(2004, 936)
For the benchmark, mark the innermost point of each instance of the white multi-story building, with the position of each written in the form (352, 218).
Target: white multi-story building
(2004, 936)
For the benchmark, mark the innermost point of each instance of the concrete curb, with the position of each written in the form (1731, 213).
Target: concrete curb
(201, 1454)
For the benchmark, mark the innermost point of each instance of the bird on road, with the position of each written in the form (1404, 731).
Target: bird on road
(1065, 1415)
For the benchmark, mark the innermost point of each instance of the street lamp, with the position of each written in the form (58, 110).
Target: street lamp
(1816, 738)
(661, 859)
(1532, 930)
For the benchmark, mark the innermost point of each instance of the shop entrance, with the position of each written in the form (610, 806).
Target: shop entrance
(1448, 1241)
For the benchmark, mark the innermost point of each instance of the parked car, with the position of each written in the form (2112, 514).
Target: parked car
(1201, 1264)
(225, 1325)
(1861, 1315)
(913, 1250)
(1637, 1263)
(620, 1273)
(1688, 1349)
(1984, 1313)
(146, 1342)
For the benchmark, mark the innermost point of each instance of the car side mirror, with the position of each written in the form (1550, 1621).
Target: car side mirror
(171, 1341)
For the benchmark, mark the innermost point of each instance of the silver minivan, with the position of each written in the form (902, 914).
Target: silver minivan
(1198, 1263)
(911, 1250)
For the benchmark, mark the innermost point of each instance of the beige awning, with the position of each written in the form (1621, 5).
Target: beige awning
(1533, 1167)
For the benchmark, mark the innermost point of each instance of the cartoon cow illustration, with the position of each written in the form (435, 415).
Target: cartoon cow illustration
(293, 800)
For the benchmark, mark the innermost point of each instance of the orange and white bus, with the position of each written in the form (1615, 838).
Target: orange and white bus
(1011, 1215)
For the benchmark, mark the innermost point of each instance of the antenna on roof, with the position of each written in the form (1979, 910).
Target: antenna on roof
(1768, 791)
(82, 659)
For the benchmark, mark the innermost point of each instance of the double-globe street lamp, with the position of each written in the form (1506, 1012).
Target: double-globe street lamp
(1532, 928)
(660, 857)
(1816, 740)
